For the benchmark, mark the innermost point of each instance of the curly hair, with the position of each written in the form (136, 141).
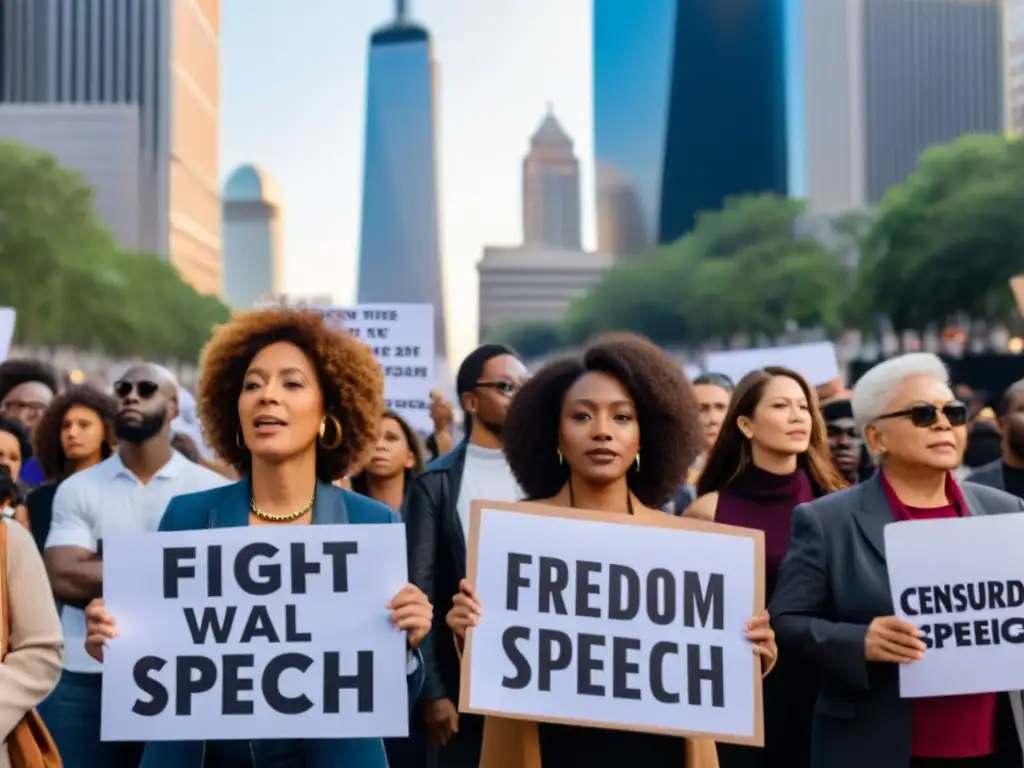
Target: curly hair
(666, 413)
(731, 452)
(46, 443)
(349, 375)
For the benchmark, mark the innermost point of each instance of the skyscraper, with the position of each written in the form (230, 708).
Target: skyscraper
(886, 79)
(689, 108)
(163, 58)
(551, 188)
(253, 234)
(1015, 65)
(400, 251)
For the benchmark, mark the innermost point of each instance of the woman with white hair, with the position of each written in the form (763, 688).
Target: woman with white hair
(832, 604)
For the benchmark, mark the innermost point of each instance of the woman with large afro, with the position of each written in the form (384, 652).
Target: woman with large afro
(290, 403)
(611, 430)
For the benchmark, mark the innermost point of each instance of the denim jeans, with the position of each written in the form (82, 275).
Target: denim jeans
(72, 714)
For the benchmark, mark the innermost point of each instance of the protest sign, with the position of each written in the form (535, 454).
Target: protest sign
(402, 339)
(614, 621)
(815, 361)
(255, 633)
(959, 580)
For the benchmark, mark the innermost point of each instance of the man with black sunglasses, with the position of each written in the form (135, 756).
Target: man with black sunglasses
(126, 493)
(436, 514)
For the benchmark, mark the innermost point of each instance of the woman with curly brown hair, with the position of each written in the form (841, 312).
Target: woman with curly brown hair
(290, 403)
(75, 432)
(771, 455)
(612, 430)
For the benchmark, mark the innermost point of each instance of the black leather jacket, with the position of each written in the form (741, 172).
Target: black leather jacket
(437, 562)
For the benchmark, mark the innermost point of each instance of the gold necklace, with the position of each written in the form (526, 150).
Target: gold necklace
(281, 518)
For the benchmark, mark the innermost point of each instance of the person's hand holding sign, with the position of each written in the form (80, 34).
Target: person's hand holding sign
(411, 612)
(99, 627)
(892, 640)
(760, 633)
(465, 612)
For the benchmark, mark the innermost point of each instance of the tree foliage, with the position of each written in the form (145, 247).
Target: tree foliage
(63, 272)
(947, 240)
(943, 243)
(749, 267)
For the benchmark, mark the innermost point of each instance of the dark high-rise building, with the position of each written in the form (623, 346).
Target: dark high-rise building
(400, 253)
(689, 108)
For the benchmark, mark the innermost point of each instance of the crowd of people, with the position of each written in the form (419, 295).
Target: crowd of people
(295, 432)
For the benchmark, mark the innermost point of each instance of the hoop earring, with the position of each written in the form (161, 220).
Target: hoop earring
(560, 459)
(638, 461)
(238, 440)
(334, 443)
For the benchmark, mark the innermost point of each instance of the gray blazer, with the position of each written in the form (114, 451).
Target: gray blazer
(832, 583)
(990, 474)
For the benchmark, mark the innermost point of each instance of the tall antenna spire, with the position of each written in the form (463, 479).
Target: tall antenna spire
(401, 11)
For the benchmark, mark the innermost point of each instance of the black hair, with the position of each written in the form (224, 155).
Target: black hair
(20, 432)
(10, 493)
(415, 443)
(472, 369)
(837, 409)
(14, 373)
(666, 412)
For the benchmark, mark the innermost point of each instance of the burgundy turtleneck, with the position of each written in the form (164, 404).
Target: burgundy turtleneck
(765, 501)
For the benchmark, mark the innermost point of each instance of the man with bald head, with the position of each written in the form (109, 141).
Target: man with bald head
(1007, 473)
(124, 494)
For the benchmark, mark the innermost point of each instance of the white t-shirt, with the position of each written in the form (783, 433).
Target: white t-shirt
(106, 500)
(486, 475)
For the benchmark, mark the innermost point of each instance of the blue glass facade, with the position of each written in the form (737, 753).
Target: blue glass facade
(690, 106)
(399, 253)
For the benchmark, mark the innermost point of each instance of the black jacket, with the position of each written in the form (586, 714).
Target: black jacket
(437, 562)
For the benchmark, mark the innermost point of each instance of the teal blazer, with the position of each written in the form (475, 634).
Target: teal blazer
(228, 507)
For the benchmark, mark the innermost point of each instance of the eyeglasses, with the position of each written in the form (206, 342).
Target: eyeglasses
(506, 388)
(16, 408)
(146, 389)
(926, 414)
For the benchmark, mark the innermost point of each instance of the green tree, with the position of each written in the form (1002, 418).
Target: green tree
(751, 267)
(61, 269)
(948, 239)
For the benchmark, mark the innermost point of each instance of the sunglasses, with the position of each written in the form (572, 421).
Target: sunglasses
(146, 389)
(506, 388)
(927, 415)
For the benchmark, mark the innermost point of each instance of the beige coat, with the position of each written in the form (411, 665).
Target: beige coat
(32, 667)
(516, 744)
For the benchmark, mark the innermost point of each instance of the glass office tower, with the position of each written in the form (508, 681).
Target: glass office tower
(399, 254)
(689, 108)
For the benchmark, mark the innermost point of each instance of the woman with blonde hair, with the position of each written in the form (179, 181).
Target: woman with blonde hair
(291, 403)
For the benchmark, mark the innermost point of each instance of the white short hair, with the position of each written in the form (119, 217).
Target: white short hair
(874, 390)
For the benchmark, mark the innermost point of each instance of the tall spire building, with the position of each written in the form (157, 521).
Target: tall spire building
(551, 188)
(399, 250)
